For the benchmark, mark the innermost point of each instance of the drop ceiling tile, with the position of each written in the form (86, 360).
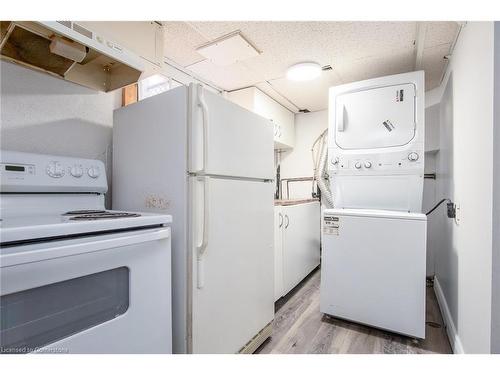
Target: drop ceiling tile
(271, 91)
(355, 50)
(440, 33)
(226, 77)
(286, 43)
(434, 64)
(180, 43)
(395, 62)
(311, 95)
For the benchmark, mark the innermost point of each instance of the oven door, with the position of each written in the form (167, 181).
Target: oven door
(99, 294)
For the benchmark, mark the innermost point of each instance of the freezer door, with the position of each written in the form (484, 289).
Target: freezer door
(232, 294)
(228, 140)
(375, 118)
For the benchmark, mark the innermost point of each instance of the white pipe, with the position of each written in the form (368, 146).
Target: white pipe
(325, 190)
(315, 156)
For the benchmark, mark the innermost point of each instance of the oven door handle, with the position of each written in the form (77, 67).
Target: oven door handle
(53, 251)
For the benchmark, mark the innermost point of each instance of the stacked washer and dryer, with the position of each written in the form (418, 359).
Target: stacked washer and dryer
(374, 237)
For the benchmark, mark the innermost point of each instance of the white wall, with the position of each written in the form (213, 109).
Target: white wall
(44, 114)
(465, 165)
(495, 300)
(298, 162)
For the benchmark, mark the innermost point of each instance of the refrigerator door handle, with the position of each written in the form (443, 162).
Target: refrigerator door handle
(204, 110)
(200, 249)
(281, 220)
(287, 221)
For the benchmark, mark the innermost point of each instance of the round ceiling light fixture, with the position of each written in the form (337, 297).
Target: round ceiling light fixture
(305, 71)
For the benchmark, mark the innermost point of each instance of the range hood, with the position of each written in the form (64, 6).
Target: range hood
(71, 52)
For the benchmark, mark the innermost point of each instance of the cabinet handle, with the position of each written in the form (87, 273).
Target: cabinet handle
(287, 221)
(281, 220)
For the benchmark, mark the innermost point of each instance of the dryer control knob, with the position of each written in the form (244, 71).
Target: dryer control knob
(368, 164)
(412, 156)
(357, 165)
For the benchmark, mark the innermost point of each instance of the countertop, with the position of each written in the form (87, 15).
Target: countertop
(291, 202)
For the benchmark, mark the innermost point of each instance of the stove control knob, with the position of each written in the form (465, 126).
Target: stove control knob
(76, 171)
(368, 164)
(412, 156)
(55, 170)
(357, 165)
(93, 172)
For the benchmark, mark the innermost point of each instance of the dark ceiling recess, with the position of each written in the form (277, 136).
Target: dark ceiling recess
(304, 110)
(327, 67)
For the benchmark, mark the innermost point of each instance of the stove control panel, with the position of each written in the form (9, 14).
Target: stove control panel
(25, 172)
(54, 169)
(76, 170)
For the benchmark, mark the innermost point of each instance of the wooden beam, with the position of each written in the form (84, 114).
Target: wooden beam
(129, 94)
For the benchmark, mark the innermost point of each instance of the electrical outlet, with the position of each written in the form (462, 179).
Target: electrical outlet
(458, 213)
(451, 210)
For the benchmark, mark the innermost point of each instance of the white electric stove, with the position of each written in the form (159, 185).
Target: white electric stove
(75, 277)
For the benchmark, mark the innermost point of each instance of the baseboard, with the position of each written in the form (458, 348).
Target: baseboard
(451, 330)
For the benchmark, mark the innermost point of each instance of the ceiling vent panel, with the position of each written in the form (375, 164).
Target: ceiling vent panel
(228, 50)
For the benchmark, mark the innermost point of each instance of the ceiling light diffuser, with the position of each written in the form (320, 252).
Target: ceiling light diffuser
(305, 71)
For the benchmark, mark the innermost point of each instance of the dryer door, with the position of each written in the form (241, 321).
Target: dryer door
(375, 118)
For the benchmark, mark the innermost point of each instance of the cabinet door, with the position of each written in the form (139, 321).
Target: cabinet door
(286, 122)
(301, 242)
(278, 253)
(283, 119)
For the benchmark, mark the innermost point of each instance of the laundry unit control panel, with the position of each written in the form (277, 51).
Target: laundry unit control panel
(401, 162)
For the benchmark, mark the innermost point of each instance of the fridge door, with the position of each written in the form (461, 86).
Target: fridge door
(226, 139)
(232, 286)
(376, 117)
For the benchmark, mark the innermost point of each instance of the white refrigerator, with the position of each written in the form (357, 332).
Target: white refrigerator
(209, 163)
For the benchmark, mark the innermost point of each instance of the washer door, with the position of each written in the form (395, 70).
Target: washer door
(375, 118)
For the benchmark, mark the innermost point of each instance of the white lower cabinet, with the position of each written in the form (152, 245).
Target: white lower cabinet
(296, 244)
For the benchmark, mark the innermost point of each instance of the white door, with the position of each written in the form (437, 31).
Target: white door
(278, 253)
(228, 140)
(233, 262)
(301, 242)
(373, 269)
(375, 118)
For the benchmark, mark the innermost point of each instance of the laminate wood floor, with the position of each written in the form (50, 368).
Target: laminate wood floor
(300, 328)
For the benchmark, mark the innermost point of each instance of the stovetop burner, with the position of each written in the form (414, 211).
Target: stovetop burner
(98, 215)
(82, 212)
